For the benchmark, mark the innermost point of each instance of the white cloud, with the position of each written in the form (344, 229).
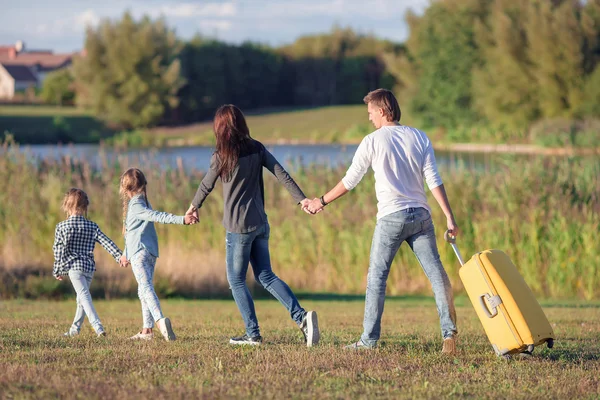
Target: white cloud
(191, 10)
(211, 25)
(343, 9)
(85, 19)
(295, 9)
(61, 25)
(41, 28)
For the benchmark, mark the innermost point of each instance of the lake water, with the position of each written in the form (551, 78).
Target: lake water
(198, 157)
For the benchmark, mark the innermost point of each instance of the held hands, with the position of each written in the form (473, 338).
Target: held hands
(304, 206)
(191, 216)
(311, 207)
(315, 206)
(190, 219)
(60, 278)
(123, 262)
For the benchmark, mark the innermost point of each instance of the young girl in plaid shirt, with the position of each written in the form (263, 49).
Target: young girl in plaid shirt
(74, 241)
(141, 248)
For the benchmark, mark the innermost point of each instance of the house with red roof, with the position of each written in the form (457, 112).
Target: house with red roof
(21, 68)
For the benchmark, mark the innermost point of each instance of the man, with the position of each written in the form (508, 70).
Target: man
(402, 159)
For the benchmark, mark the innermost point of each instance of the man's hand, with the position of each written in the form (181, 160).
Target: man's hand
(315, 206)
(304, 205)
(452, 227)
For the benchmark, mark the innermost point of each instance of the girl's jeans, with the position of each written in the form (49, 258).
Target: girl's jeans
(142, 265)
(81, 282)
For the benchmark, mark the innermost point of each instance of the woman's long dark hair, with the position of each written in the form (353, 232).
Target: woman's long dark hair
(232, 134)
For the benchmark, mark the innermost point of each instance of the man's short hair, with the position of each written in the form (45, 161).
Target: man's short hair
(384, 99)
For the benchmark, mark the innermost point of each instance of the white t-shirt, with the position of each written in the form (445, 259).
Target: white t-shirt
(402, 159)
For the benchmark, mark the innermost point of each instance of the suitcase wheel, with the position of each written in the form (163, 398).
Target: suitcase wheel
(530, 348)
(550, 343)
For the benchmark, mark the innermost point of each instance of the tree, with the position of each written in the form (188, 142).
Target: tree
(58, 88)
(434, 73)
(130, 73)
(248, 75)
(337, 68)
(590, 21)
(538, 59)
(504, 83)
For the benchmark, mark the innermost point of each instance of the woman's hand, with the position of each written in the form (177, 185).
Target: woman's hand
(304, 205)
(190, 219)
(191, 216)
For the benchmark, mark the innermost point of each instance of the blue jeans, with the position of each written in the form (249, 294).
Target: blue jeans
(81, 282)
(142, 265)
(413, 225)
(253, 248)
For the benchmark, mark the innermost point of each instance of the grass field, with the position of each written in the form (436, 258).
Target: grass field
(335, 124)
(37, 362)
(48, 124)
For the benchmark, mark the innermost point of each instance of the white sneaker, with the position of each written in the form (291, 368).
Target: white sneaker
(310, 328)
(101, 334)
(165, 328)
(71, 333)
(142, 336)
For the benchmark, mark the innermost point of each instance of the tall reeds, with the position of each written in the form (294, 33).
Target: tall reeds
(544, 212)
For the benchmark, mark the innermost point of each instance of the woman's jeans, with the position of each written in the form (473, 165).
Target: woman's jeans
(81, 282)
(253, 248)
(413, 225)
(142, 265)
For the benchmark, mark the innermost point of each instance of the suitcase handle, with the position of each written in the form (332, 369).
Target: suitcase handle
(494, 302)
(450, 238)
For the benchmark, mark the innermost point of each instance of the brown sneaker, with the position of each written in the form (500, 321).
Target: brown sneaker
(449, 346)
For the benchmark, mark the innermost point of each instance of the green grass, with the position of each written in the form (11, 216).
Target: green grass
(335, 124)
(47, 124)
(42, 111)
(37, 362)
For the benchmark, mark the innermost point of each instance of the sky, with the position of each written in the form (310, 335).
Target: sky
(59, 25)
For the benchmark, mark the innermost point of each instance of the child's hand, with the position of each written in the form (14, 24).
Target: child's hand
(60, 278)
(190, 219)
(123, 262)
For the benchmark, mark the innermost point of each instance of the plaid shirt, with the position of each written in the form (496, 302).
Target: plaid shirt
(74, 241)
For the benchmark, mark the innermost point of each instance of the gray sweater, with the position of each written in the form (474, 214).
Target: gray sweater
(244, 193)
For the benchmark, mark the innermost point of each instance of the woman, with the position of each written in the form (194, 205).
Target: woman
(239, 160)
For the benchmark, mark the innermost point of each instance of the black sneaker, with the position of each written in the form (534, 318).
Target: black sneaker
(310, 328)
(245, 339)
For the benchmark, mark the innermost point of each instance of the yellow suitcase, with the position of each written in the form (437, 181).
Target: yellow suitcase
(511, 316)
